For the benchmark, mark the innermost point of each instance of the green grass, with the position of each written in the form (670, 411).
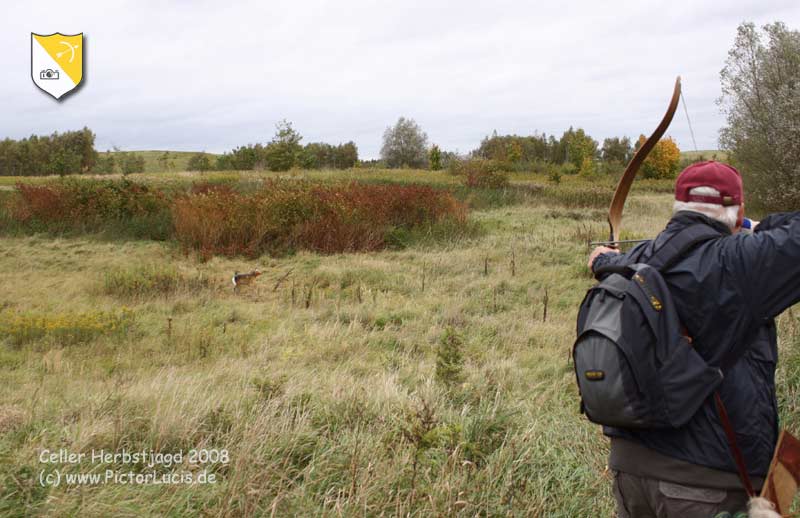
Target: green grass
(320, 379)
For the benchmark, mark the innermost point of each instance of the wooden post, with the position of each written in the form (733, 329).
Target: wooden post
(546, 300)
(309, 294)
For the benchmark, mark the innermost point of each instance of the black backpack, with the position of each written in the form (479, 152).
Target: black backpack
(634, 366)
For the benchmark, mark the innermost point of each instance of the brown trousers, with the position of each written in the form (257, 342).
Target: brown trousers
(639, 497)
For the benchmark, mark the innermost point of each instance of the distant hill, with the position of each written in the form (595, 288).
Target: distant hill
(707, 154)
(179, 159)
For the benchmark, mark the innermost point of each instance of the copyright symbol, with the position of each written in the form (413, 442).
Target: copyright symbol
(49, 479)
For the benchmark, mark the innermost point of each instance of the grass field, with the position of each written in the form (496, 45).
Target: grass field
(319, 383)
(177, 161)
(706, 154)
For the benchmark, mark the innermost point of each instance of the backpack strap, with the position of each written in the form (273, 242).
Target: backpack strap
(736, 452)
(673, 250)
(677, 245)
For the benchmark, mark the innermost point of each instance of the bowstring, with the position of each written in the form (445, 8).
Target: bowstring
(686, 111)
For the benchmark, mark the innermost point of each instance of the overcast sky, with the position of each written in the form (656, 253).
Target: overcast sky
(210, 75)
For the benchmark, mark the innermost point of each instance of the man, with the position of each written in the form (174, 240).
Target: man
(727, 292)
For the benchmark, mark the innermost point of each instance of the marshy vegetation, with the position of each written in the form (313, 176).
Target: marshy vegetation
(430, 377)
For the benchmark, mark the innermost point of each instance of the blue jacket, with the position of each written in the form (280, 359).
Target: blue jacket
(728, 292)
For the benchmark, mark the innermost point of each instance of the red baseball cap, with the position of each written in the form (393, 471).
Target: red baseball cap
(721, 177)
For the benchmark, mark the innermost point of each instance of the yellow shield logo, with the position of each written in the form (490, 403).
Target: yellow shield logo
(57, 62)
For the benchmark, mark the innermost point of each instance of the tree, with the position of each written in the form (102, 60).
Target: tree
(130, 163)
(404, 145)
(617, 150)
(319, 155)
(284, 152)
(663, 161)
(435, 158)
(166, 162)
(88, 153)
(243, 158)
(587, 169)
(105, 163)
(346, 155)
(579, 146)
(514, 151)
(199, 162)
(761, 99)
(65, 153)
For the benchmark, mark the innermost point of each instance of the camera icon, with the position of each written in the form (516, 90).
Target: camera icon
(48, 73)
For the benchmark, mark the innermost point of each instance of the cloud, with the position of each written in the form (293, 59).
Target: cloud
(200, 75)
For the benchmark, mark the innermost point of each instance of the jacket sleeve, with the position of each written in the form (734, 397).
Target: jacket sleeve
(768, 262)
(612, 259)
(606, 259)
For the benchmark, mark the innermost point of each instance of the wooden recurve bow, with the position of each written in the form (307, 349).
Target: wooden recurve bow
(624, 185)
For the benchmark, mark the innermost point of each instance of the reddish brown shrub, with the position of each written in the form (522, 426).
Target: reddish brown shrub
(280, 217)
(480, 173)
(288, 215)
(87, 204)
(209, 187)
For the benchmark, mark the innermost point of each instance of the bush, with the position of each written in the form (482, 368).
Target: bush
(105, 163)
(284, 152)
(244, 158)
(554, 174)
(210, 187)
(318, 155)
(199, 162)
(435, 158)
(90, 205)
(480, 173)
(213, 218)
(587, 169)
(285, 216)
(450, 359)
(130, 163)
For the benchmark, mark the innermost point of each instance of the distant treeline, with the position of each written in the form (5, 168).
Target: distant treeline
(73, 152)
(284, 152)
(277, 157)
(573, 147)
(577, 152)
(60, 153)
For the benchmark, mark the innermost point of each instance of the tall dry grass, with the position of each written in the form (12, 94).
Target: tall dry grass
(287, 216)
